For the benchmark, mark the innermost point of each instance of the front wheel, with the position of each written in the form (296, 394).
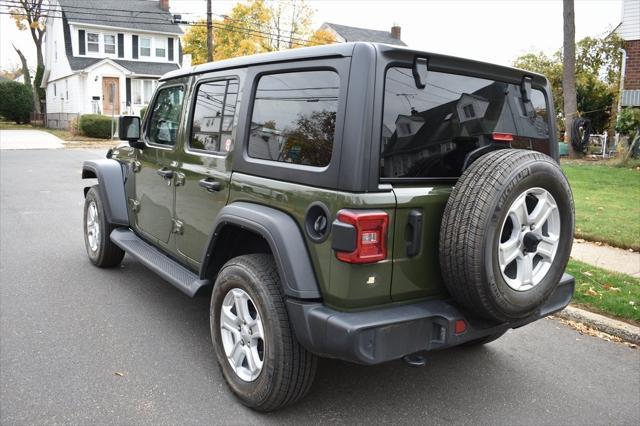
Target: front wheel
(101, 250)
(257, 351)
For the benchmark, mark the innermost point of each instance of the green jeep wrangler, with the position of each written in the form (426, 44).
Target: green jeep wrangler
(355, 201)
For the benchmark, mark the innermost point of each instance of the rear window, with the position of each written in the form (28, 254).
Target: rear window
(294, 117)
(429, 132)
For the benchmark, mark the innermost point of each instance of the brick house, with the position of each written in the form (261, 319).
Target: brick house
(629, 31)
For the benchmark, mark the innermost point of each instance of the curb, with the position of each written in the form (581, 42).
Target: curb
(627, 332)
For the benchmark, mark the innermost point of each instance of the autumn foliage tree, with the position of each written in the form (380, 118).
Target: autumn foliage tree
(255, 27)
(28, 15)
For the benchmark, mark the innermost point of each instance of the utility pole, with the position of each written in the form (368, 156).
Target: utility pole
(569, 73)
(209, 33)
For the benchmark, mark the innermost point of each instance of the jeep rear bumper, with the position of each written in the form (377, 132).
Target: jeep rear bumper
(379, 335)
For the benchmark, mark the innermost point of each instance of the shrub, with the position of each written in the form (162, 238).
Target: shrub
(96, 126)
(143, 111)
(628, 121)
(16, 101)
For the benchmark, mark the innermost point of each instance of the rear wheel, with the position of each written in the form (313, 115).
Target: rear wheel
(506, 234)
(101, 250)
(257, 351)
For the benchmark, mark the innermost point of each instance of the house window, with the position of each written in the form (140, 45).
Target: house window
(147, 90)
(110, 44)
(55, 90)
(145, 47)
(136, 92)
(161, 49)
(93, 42)
(142, 90)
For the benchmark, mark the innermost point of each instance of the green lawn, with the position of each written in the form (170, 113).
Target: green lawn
(607, 202)
(607, 292)
(65, 135)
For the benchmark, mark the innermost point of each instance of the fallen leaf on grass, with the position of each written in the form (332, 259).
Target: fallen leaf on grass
(599, 243)
(611, 288)
(632, 303)
(587, 273)
(119, 374)
(592, 292)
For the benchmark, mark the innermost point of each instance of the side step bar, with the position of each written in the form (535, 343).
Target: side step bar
(182, 278)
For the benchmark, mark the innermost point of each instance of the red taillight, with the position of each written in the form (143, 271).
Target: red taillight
(461, 326)
(502, 137)
(371, 236)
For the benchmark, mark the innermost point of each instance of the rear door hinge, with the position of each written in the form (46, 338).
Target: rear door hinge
(178, 227)
(134, 205)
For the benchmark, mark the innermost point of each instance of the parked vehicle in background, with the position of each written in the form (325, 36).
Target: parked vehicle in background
(358, 201)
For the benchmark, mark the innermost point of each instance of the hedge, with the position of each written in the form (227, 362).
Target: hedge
(96, 126)
(143, 111)
(16, 101)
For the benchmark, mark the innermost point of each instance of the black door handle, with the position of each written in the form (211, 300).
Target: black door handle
(413, 234)
(210, 184)
(167, 174)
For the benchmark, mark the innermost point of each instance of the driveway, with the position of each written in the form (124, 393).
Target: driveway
(28, 139)
(67, 328)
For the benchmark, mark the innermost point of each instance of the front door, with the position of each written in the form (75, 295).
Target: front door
(205, 172)
(111, 95)
(152, 205)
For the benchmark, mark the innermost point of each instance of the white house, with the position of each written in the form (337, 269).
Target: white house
(105, 56)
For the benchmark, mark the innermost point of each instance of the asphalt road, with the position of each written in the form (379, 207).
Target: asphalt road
(67, 327)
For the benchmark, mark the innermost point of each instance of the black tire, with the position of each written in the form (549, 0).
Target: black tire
(472, 226)
(107, 254)
(288, 369)
(483, 340)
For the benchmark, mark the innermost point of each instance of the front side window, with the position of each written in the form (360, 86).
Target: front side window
(110, 44)
(213, 116)
(294, 117)
(145, 46)
(164, 120)
(93, 42)
(429, 132)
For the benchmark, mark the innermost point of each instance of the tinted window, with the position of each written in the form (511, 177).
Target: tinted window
(164, 120)
(294, 117)
(429, 132)
(213, 116)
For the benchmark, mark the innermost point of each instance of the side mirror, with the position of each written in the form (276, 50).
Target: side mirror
(419, 71)
(129, 130)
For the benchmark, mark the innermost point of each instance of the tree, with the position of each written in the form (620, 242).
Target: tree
(254, 27)
(597, 76)
(569, 72)
(26, 74)
(29, 15)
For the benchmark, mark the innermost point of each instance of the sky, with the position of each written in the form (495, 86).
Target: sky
(494, 31)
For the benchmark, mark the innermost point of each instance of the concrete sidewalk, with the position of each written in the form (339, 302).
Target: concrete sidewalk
(606, 257)
(28, 139)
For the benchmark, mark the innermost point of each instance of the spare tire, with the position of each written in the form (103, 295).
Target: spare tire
(506, 234)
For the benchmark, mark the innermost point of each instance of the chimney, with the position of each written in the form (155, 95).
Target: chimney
(164, 5)
(395, 31)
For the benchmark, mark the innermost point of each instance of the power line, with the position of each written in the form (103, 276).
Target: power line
(159, 20)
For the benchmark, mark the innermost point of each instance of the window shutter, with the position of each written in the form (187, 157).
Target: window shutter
(120, 45)
(170, 48)
(134, 51)
(128, 87)
(81, 44)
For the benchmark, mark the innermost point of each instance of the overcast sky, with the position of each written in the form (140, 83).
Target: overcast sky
(493, 31)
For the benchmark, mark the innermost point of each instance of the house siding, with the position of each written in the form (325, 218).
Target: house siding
(630, 27)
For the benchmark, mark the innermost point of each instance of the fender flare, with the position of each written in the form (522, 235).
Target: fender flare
(283, 235)
(111, 188)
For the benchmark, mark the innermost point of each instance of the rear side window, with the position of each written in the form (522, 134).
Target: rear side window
(164, 120)
(213, 116)
(429, 132)
(294, 117)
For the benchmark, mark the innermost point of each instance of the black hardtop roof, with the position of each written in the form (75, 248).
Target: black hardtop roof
(345, 50)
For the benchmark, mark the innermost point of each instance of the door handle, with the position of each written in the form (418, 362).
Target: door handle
(414, 233)
(167, 174)
(210, 185)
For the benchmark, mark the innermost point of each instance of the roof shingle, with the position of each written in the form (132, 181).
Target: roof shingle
(140, 15)
(364, 34)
